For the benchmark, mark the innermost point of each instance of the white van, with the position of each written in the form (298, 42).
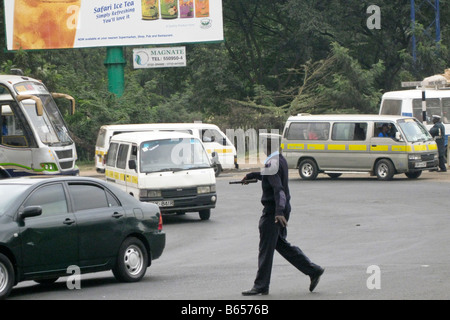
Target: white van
(219, 147)
(409, 103)
(170, 169)
(379, 145)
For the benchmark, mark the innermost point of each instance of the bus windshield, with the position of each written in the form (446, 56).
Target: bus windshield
(50, 126)
(414, 131)
(173, 155)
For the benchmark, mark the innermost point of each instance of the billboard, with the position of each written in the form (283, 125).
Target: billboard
(55, 24)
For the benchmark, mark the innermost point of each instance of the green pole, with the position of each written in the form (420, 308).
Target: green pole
(115, 63)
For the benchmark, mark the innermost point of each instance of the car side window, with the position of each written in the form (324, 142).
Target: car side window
(52, 200)
(88, 196)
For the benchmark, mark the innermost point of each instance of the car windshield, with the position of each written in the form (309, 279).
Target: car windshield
(414, 131)
(173, 155)
(9, 192)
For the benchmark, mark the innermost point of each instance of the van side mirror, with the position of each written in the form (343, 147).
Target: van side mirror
(398, 136)
(31, 211)
(132, 164)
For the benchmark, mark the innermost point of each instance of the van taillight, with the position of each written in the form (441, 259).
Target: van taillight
(160, 223)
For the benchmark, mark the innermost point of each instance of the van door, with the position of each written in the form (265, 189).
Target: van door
(350, 146)
(131, 175)
(121, 166)
(215, 141)
(384, 145)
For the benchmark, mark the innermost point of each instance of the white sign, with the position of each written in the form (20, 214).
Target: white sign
(53, 24)
(159, 57)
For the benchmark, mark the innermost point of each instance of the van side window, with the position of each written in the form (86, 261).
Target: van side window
(384, 130)
(122, 156)
(308, 131)
(350, 131)
(392, 107)
(212, 135)
(433, 107)
(112, 154)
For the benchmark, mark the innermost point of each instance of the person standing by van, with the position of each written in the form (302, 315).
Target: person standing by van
(273, 223)
(438, 133)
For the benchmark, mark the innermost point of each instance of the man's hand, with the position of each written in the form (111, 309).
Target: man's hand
(281, 220)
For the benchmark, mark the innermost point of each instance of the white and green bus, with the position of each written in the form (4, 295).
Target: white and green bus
(34, 139)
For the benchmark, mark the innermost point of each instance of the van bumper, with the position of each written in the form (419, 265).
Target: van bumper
(422, 165)
(189, 204)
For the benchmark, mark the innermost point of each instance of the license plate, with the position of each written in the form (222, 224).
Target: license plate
(166, 203)
(422, 164)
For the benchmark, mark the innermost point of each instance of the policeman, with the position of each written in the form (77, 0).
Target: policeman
(438, 133)
(273, 223)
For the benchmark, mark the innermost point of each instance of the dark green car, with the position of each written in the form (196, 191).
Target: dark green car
(50, 224)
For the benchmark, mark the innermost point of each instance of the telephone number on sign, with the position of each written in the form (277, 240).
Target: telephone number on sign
(173, 58)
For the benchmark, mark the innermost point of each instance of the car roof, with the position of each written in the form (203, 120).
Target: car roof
(32, 180)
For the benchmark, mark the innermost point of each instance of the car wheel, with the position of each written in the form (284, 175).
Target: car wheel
(384, 170)
(132, 261)
(205, 214)
(6, 276)
(308, 169)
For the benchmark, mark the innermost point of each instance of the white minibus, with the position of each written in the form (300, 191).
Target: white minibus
(170, 169)
(409, 103)
(379, 145)
(219, 147)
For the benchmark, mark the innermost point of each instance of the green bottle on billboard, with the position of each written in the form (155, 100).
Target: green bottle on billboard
(150, 9)
(169, 9)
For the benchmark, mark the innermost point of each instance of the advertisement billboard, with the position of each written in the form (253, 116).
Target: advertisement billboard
(55, 24)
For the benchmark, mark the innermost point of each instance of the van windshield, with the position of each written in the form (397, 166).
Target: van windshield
(414, 131)
(172, 155)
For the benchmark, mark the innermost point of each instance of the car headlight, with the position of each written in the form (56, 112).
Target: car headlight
(414, 157)
(206, 189)
(150, 193)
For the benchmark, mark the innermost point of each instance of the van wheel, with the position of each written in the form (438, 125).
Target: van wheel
(205, 214)
(384, 170)
(217, 169)
(334, 175)
(132, 261)
(6, 276)
(308, 169)
(413, 175)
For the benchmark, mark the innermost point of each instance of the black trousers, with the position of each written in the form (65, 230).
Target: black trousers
(273, 237)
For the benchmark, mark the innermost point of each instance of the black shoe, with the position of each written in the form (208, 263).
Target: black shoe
(315, 279)
(254, 292)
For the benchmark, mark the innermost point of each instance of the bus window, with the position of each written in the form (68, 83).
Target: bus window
(433, 107)
(392, 107)
(446, 110)
(13, 134)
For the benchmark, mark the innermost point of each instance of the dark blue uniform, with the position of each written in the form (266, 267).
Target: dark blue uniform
(276, 201)
(438, 133)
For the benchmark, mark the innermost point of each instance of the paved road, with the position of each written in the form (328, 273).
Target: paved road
(346, 225)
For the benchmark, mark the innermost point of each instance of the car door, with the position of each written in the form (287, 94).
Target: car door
(100, 221)
(49, 241)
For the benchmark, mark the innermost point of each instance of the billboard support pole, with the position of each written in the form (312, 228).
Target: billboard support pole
(115, 63)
